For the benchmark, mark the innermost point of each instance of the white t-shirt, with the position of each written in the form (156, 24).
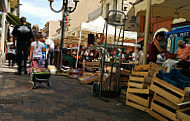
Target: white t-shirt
(37, 52)
(50, 43)
(10, 48)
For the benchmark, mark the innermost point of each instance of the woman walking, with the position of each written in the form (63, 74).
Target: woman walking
(36, 49)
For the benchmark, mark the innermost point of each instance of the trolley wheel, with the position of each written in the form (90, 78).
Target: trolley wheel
(119, 91)
(49, 85)
(34, 84)
(96, 89)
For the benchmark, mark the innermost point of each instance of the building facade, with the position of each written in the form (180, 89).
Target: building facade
(50, 28)
(6, 6)
(80, 15)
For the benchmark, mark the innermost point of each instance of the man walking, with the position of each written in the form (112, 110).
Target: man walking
(23, 34)
(49, 42)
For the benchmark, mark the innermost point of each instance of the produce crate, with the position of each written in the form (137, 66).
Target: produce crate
(87, 78)
(124, 78)
(91, 64)
(139, 94)
(163, 108)
(183, 111)
(168, 91)
(138, 101)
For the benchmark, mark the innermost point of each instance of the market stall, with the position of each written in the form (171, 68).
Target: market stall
(98, 26)
(175, 35)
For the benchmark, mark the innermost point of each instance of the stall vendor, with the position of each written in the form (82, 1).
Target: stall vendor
(154, 47)
(183, 51)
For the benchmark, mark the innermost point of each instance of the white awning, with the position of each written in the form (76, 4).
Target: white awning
(165, 8)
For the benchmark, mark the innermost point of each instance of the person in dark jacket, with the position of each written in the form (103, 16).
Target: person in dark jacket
(23, 34)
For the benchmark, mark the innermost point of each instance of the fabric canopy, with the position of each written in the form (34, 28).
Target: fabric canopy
(98, 26)
(165, 8)
(14, 20)
(182, 32)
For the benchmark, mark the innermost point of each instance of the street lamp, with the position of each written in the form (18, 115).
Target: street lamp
(67, 9)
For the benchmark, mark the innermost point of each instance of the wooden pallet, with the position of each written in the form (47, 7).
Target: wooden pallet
(163, 108)
(167, 90)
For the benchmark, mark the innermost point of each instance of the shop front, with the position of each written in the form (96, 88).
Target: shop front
(175, 35)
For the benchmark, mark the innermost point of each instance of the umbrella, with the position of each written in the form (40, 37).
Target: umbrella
(165, 8)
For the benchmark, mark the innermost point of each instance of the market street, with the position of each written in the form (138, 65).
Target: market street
(68, 100)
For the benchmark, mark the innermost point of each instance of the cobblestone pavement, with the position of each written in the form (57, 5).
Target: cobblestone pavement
(68, 100)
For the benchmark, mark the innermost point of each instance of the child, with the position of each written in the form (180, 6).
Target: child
(10, 51)
(36, 49)
(43, 39)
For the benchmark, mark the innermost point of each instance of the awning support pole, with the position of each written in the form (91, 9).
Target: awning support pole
(147, 26)
(78, 48)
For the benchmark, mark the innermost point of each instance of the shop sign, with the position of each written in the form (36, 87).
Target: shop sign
(181, 34)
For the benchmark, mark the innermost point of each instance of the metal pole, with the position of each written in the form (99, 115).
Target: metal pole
(62, 35)
(147, 26)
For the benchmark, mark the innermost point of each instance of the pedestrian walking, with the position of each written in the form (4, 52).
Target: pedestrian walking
(49, 42)
(43, 39)
(10, 51)
(36, 49)
(23, 34)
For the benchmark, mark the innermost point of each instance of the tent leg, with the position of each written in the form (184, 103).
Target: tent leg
(78, 49)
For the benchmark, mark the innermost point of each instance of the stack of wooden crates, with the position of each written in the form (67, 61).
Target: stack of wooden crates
(148, 93)
(138, 92)
(166, 99)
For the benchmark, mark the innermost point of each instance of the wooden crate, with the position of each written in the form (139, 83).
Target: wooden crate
(163, 108)
(183, 111)
(156, 67)
(123, 83)
(139, 91)
(125, 72)
(142, 67)
(92, 64)
(122, 79)
(138, 85)
(140, 102)
(88, 78)
(167, 90)
(150, 66)
(183, 115)
(139, 73)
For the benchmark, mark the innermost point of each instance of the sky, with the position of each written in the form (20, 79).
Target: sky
(39, 12)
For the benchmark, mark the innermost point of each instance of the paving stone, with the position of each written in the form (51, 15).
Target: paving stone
(68, 100)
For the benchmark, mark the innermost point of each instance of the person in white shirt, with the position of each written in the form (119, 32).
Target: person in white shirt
(36, 49)
(10, 51)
